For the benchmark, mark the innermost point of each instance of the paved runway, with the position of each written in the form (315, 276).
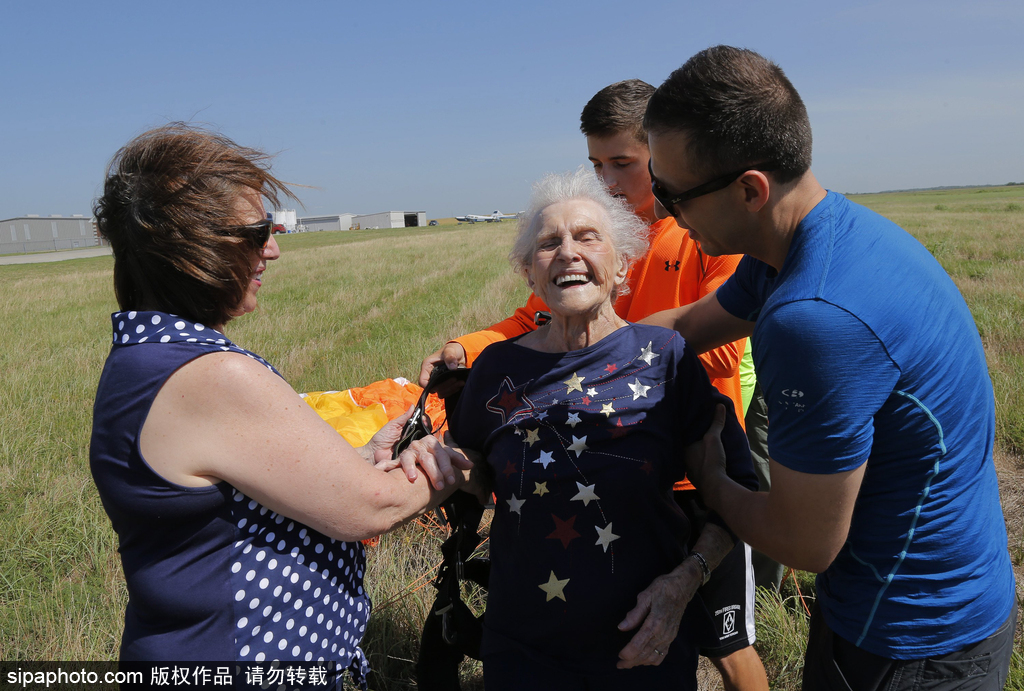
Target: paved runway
(63, 255)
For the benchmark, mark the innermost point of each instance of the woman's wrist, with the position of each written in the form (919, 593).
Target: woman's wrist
(689, 577)
(702, 563)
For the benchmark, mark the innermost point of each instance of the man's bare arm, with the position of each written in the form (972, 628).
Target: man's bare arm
(802, 522)
(704, 324)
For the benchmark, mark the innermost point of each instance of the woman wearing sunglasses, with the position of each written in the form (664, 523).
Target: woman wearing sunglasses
(238, 510)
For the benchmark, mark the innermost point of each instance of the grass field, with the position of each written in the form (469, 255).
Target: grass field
(344, 309)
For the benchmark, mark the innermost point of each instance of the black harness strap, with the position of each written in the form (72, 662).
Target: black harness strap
(451, 631)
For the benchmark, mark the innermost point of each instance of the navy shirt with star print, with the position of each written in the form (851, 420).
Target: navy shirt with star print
(585, 447)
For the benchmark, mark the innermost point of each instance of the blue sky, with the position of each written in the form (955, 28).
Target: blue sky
(457, 107)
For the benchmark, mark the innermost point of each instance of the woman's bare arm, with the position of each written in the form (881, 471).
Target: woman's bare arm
(226, 417)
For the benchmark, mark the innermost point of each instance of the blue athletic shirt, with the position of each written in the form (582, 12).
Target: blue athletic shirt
(585, 447)
(212, 575)
(866, 352)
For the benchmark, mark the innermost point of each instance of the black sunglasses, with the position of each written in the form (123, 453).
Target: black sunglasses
(719, 183)
(258, 232)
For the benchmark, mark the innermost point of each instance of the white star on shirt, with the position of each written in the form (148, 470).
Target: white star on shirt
(585, 494)
(532, 436)
(572, 420)
(607, 409)
(515, 505)
(639, 389)
(647, 354)
(542, 414)
(605, 536)
(578, 445)
(591, 391)
(545, 458)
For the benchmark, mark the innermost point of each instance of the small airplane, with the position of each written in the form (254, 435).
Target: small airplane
(495, 217)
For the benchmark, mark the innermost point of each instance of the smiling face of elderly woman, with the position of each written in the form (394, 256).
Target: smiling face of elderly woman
(575, 268)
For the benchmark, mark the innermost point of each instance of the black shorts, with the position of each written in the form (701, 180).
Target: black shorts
(729, 593)
(832, 663)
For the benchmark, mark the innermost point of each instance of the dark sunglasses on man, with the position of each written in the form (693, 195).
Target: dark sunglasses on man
(718, 183)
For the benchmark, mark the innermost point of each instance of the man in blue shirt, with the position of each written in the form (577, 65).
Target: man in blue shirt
(881, 410)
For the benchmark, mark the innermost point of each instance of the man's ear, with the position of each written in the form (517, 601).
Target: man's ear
(756, 189)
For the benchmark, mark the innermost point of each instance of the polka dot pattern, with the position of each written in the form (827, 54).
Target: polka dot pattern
(296, 591)
(131, 328)
(292, 592)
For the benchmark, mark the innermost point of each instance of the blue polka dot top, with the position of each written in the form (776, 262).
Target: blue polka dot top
(212, 575)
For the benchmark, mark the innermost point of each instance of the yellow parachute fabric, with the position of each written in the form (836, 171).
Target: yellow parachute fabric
(342, 413)
(358, 413)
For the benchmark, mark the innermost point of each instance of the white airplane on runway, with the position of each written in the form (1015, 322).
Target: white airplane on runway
(495, 217)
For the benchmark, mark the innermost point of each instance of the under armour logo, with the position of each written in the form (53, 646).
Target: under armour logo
(669, 265)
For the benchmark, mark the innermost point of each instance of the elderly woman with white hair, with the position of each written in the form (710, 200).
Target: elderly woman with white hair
(586, 423)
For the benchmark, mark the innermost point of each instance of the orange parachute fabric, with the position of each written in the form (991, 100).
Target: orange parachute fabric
(357, 414)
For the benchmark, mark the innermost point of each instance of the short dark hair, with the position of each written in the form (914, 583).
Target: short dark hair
(169, 209)
(617, 108)
(737, 108)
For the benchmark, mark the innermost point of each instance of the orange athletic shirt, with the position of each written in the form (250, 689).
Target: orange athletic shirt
(673, 273)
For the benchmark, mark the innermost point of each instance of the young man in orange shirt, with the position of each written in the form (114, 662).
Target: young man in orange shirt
(674, 272)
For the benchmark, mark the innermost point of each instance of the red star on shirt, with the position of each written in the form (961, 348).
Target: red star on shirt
(510, 469)
(610, 368)
(585, 400)
(509, 399)
(564, 531)
(618, 430)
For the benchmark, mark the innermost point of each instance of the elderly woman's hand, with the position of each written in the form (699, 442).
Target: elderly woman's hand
(378, 449)
(660, 607)
(442, 464)
(481, 478)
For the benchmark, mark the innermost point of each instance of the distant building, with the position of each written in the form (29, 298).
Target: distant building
(390, 219)
(33, 233)
(285, 217)
(338, 222)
